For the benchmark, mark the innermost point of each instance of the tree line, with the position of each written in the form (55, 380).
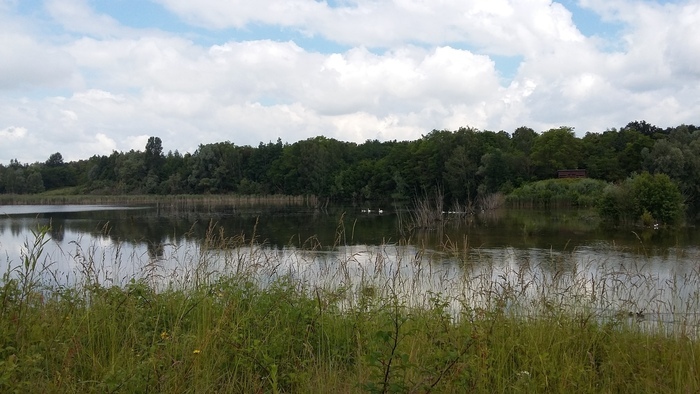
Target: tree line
(464, 164)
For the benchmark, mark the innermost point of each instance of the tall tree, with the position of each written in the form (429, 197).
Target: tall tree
(555, 149)
(153, 161)
(55, 160)
(55, 173)
(34, 182)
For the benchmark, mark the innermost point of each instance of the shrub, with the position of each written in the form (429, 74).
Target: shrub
(643, 197)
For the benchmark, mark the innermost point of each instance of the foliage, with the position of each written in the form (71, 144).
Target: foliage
(584, 192)
(556, 149)
(678, 156)
(465, 164)
(648, 198)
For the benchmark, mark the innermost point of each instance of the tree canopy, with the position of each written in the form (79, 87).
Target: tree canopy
(464, 164)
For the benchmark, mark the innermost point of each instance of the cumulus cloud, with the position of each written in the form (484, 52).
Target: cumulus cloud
(13, 133)
(239, 13)
(505, 26)
(27, 63)
(406, 67)
(97, 144)
(77, 16)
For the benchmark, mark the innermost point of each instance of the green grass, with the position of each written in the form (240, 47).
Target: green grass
(238, 333)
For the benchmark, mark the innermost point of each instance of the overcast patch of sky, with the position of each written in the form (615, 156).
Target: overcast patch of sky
(111, 73)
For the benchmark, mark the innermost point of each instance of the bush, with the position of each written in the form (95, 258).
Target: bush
(643, 197)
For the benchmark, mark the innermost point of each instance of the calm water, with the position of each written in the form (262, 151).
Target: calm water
(565, 251)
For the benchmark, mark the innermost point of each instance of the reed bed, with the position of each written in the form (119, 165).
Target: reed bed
(230, 314)
(176, 202)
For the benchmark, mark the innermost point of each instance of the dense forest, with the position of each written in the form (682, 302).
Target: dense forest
(464, 164)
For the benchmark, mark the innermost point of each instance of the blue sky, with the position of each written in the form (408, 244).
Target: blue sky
(85, 77)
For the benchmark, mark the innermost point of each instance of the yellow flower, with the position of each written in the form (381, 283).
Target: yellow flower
(164, 335)
(196, 351)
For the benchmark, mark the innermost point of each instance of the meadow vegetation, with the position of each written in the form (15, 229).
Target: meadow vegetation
(234, 318)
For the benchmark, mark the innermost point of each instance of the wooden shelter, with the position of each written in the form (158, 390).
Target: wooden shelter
(571, 173)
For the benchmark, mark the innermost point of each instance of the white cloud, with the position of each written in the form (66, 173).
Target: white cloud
(411, 66)
(136, 142)
(77, 16)
(683, 41)
(239, 13)
(24, 63)
(98, 144)
(507, 26)
(13, 133)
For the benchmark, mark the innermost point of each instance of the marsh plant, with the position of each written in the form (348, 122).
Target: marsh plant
(233, 315)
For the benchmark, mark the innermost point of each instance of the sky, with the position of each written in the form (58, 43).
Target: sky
(89, 77)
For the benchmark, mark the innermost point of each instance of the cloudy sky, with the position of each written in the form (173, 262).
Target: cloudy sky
(86, 77)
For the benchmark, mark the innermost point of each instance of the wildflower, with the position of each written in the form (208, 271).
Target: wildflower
(196, 351)
(164, 335)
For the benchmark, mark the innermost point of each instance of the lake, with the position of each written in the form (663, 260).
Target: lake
(563, 256)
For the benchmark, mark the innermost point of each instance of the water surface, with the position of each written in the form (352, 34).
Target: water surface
(514, 251)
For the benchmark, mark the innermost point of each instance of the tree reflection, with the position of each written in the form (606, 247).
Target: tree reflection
(57, 232)
(155, 250)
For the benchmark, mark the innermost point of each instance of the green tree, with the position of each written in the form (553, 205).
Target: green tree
(524, 139)
(555, 149)
(34, 182)
(130, 172)
(678, 156)
(600, 159)
(153, 154)
(55, 160)
(643, 197)
(645, 128)
(102, 172)
(665, 157)
(175, 173)
(15, 178)
(629, 145)
(460, 175)
(55, 173)
(496, 170)
(214, 168)
(522, 142)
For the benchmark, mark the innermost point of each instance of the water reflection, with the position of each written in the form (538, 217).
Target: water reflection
(517, 256)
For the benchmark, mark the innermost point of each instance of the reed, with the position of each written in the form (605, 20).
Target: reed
(491, 201)
(557, 193)
(426, 213)
(231, 315)
(180, 202)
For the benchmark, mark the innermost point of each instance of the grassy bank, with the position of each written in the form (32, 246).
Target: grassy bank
(255, 327)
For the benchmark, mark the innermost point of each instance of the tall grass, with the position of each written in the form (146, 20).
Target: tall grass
(232, 315)
(173, 202)
(558, 193)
